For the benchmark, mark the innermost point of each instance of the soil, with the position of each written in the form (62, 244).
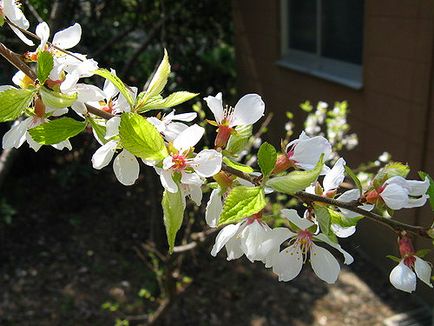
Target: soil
(68, 258)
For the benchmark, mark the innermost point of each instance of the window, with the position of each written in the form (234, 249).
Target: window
(324, 38)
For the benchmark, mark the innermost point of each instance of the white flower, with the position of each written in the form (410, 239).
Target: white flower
(403, 276)
(64, 39)
(125, 165)
(398, 193)
(11, 10)
(192, 169)
(250, 237)
(214, 207)
(332, 180)
(288, 263)
(170, 129)
(18, 134)
(305, 151)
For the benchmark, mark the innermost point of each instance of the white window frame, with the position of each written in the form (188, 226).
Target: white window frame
(340, 72)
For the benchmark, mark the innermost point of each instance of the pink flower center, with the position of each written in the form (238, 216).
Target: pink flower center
(304, 240)
(179, 162)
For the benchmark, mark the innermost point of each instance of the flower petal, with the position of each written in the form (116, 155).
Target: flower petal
(191, 179)
(103, 155)
(188, 138)
(16, 136)
(288, 263)
(126, 168)
(395, 196)
(214, 208)
(335, 176)
(43, 31)
(348, 259)
(423, 271)
(403, 278)
(68, 38)
(293, 217)
(167, 181)
(249, 109)
(224, 236)
(207, 163)
(112, 127)
(324, 264)
(216, 106)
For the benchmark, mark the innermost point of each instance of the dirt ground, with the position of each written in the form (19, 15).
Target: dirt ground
(67, 258)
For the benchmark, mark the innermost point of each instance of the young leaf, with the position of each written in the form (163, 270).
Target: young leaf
(161, 103)
(296, 180)
(242, 202)
(237, 166)
(324, 219)
(392, 169)
(239, 139)
(430, 191)
(141, 138)
(45, 65)
(356, 180)
(394, 258)
(342, 220)
(267, 157)
(119, 84)
(98, 129)
(173, 209)
(422, 252)
(56, 131)
(55, 99)
(13, 102)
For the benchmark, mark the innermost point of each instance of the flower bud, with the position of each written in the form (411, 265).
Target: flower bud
(223, 134)
(223, 179)
(39, 108)
(282, 164)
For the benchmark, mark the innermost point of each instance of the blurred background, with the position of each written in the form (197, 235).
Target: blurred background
(78, 248)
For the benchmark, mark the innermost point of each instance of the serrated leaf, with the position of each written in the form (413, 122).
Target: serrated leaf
(323, 218)
(44, 66)
(141, 138)
(296, 180)
(172, 100)
(118, 83)
(242, 202)
(430, 191)
(99, 130)
(392, 169)
(238, 141)
(267, 157)
(158, 81)
(173, 208)
(355, 179)
(394, 258)
(55, 99)
(56, 131)
(237, 166)
(13, 102)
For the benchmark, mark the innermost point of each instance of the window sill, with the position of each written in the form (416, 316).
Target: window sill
(349, 75)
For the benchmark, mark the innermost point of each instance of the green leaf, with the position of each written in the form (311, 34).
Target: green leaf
(13, 102)
(267, 157)
(422, 252)
(118, 83)
(141, 138)
(99, 129)
(158, 81)
(173, 209)
(342, 220)
(56, 131)
(392, 169)
(355, 179)
(242, 202)
(394, 258)
(172, 100)
(237, 166)
(2, 20)
(45, 65)
(238, 141)
(296, 180)
(55, 99)
(324, 219)
(430, 191)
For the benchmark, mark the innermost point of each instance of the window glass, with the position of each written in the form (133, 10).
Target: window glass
(302, 25)
(342, 30)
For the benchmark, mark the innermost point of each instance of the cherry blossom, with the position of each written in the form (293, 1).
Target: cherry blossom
(11, 10)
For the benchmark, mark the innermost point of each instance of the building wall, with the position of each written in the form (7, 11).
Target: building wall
(391, 112)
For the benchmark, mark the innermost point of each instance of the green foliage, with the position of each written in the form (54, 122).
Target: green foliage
(99, 129)
(242, 202)
(267, 157)
(56, 131)
(394, 258)
(238, 141)
(141, 138)
(306, 106)
(173, 208)
(118, 83)
(237, 166)
(355, 179)
(430, 191)
(158, 102)
(392, 169)
(13, 102)
(342, 220)
(323, 218)
(55, 99)
(44, 66)
(296, 180)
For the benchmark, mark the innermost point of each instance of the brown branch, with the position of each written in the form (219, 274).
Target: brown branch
(352, 206)
(16, 61)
